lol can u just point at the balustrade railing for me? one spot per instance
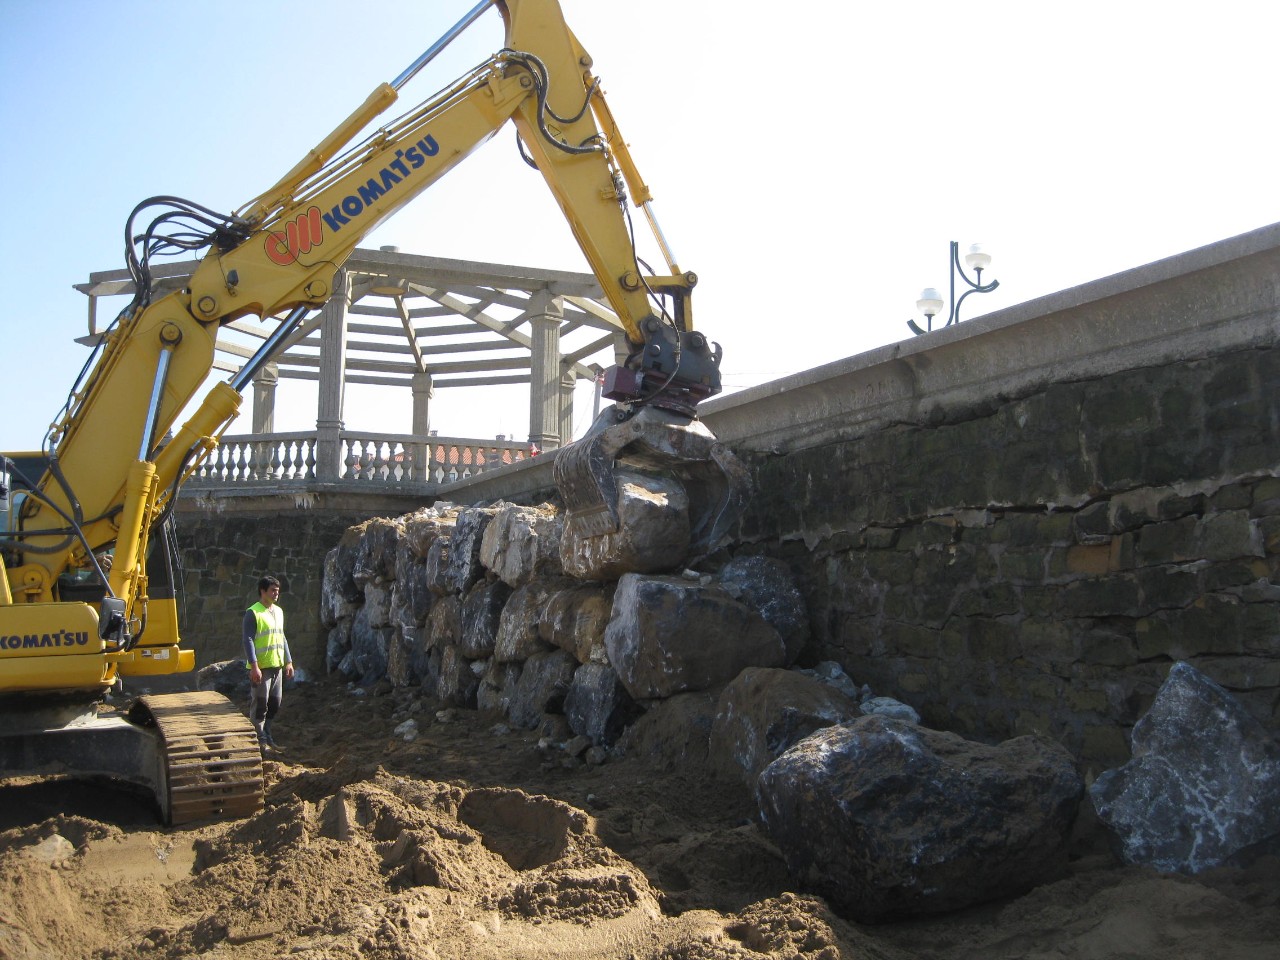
(376, 458)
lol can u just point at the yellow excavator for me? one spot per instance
(111, 467)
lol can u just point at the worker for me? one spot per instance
(267, 657)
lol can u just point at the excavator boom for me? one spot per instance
(111, 466)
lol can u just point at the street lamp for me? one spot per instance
(930, 303)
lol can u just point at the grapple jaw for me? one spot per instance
(658, 443)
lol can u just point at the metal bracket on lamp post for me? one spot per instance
(930, 303)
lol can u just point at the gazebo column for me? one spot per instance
(567, 383)
(264, 417)
(546, 314)
(333, 367)
(423, 392)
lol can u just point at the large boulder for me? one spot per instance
(437, 564)
(518, 635)
(889, 820)
(1203, 784)
(376, 556)
(339, 595)
(653, 532)
(377, 602)
(481, 613)
(421, 529)
(522, 543)
(673, 734)
(459, 680)
(597, 705)
(497, 686)
(668, 635)
(541, 688)
(768, 587)
(574, 619)
(415, 591)
(337, 644)
(370, 646)
(227, 677)
(464, 567)
(763, 712)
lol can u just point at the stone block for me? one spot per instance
(444, 624)
(480, 615)
(497, 686)
(574, 619)
(1203, 784)
(762, 713)
(522, 543)
(1106, 647)
(422, 528)
(888, 820)
(1115, 596)
(1172, 541)
(459, 679)
(519, 629)
(542, 687)
(768, 587)
(377, 603)
(1227, 536)
(437, 567)
(375, 557)
(597, 705)
(1089, 560)
(653, 532)
(463, 568)
(668, 635)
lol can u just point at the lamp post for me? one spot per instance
(930, 303)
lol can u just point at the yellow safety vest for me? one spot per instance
(268, 642)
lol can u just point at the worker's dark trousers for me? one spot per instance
(264, 701)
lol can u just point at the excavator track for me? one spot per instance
(212, 759)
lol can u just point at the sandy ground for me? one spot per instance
(472, 841)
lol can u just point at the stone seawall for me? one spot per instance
(1016, 524)
(1037, 565)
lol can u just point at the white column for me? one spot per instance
(264, 398)
(567, 383)
(546, 314)
(264, 417)
(333, 369)
(423, 392)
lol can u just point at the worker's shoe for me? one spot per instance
(268, 741)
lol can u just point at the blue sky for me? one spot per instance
(810, 162)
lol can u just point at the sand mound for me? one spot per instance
(472, 841)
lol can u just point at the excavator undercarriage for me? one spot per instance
(195, 753)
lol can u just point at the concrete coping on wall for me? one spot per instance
(1210, 300)
(307, 495)
(1214, 299)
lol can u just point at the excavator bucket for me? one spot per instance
(652, 442)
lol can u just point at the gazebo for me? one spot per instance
(413, 324)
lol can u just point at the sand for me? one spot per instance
(475, 841)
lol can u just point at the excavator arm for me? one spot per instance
(111, 476)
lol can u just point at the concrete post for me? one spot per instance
(264, 417)
(423, 392)
(264, 399)
(333, 368)
(567, 383)
(546, 313)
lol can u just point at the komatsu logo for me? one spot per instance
(406, 161)
(28, 641)
(284, 246)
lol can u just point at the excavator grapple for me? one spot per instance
(655, 442)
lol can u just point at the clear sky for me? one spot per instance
(809, 161)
